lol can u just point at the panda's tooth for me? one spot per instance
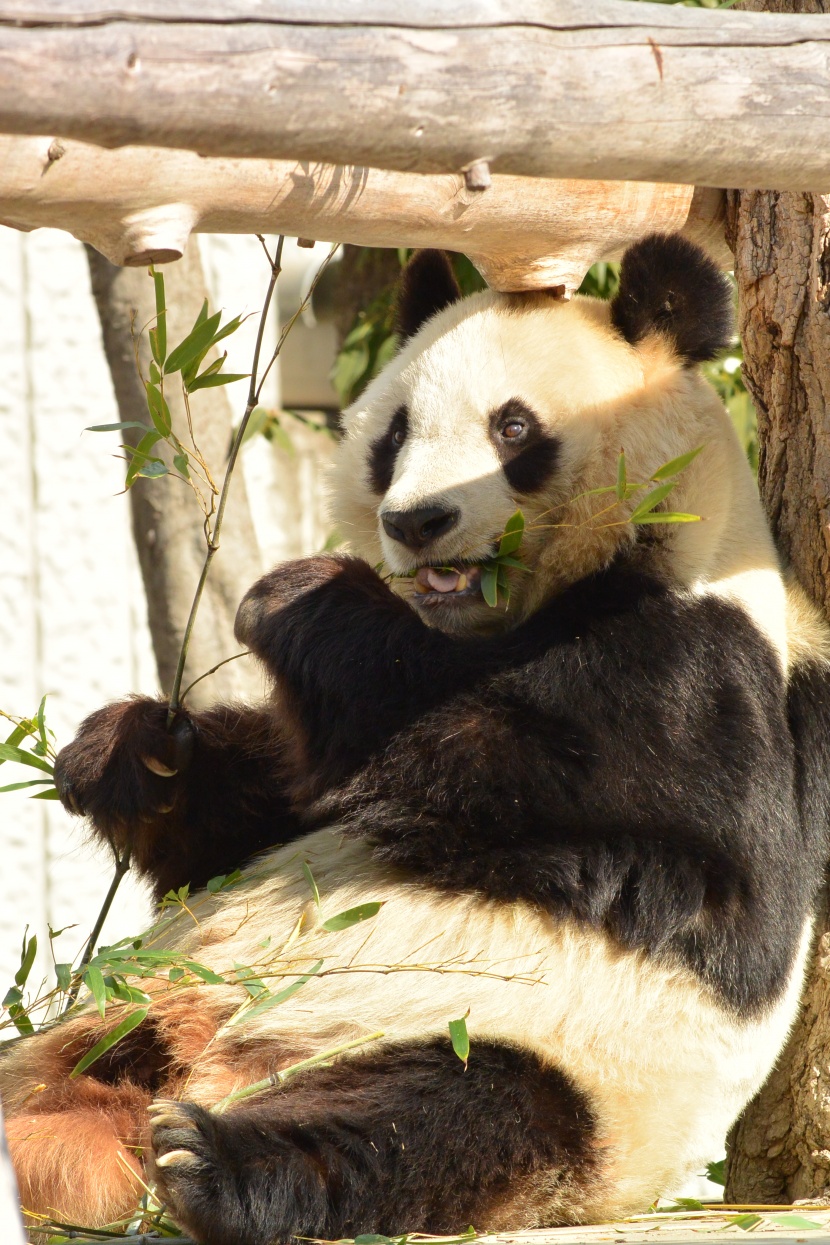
(462, 582)
(419, 587)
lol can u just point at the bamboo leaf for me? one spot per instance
(247, 978)
(160, 330)
(129, 423)
(206, 974)
(489, 586)
(460, 1038)
(273, 999)
(41, 724)
(216, 378)
(8, 752)
(650, 500)
(51, 794)
(514, 530)
(514, 562)
(620, 488)
(198, 339)
(27, 959)
(94, 979)
(140, 455)
(115, 1035)
(159, 410)
(309, 877)
(352, 916)
(675, 465)
(63, 972)
(795, 1221)
(746, 1222)
(34, 782)
(669, 516)
(21, 1022)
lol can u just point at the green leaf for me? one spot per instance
(152, 470)
(18, 734)
(460, 1038)
(175, 974)
(650, 500)
(41, 723)
(746, 1222)
(63, 972)
(489, 585)
(716, 1172)
(155, 374)
(21, 1021)
(129, 994)
(273, 999)
(620, 488)
(668, 516)
(206, 974)
(180, 463)
(115, 1035)
(216, 378)
(675, 465)
(505, 560)
(352, 916)
(129, 423)
(27, 959)
(514, 530)
(159, 410)
(197, 340)
(160, 330)
(13, 997)
(34, 782)
(140, 454)
(228, 328)
(51, 794)
(94, 979)
(202, 316)
(247, 978)
(8, 752)
(795, 1221)
(309, 877)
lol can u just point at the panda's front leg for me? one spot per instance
(188, 803)
(400, 1139)
(352, 662)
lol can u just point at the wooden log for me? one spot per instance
(138, 205)
(548, 88)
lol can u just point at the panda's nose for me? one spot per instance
(418, 528)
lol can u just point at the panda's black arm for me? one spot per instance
(352, 663)
(190, 804)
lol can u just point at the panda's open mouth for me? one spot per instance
(445, 583)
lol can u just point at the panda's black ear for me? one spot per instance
(668, 285)
(428, 285)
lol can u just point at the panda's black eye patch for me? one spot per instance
(384, 451)
(528, 453)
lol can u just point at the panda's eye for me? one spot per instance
(512, 430)
(398, 436)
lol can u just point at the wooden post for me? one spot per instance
(561, 89)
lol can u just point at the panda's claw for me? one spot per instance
(178, 1158)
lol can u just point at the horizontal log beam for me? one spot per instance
(139, 204)
(543, 88)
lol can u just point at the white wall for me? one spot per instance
(72, 613)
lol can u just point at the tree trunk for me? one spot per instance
(780, 1148)
(167, 520)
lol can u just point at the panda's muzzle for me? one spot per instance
(419, 528)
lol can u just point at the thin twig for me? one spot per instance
(245, 653)
(213, 535)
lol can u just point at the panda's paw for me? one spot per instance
(184, 1141)
(282, 586)
(121, 768)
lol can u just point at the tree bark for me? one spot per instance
(780, 1148)
(707, 98)
(167, 520)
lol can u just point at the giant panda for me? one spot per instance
(594, 816)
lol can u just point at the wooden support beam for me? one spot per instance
(544, 88)
(139, 204)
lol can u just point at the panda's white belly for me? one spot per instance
(665, 1066)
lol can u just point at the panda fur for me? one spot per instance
(595, 819)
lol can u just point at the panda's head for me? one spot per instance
(502, 402)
